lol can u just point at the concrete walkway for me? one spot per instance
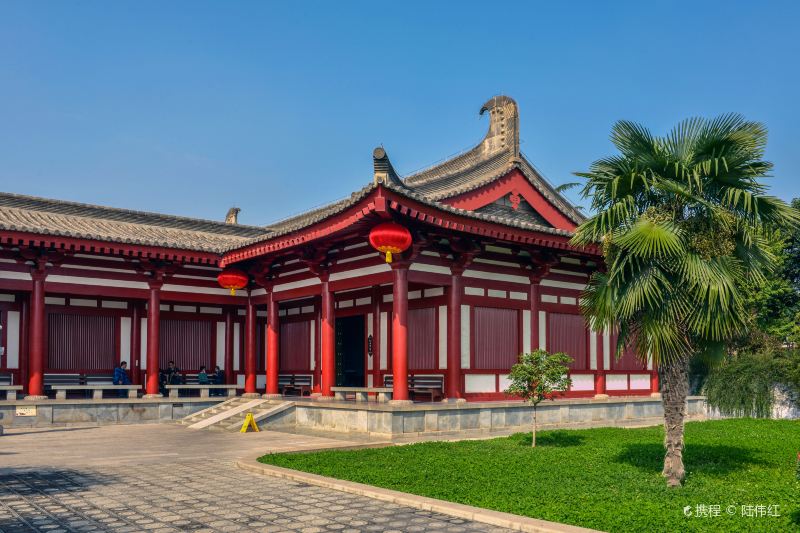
(167, 478)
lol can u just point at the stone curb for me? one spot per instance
(458, 510)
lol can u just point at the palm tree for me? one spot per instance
(682, 220)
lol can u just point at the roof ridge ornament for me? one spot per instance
(503, 134)
(383, 171)
(233, 216)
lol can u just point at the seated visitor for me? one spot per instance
(219, 379)
(170, 376)
(121, 377)
(202, 376)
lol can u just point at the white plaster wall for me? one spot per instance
(465, 336)
(143, 344)
(125, 340)
(542, 330)
(592, 350)
(313, 345)
(479, 383)
(526, 330)
(236, 334)
(220, 350)
(384, 341)
(12, 339)
(442, 336)
(582, 382)
(640, 381)
(617, 382)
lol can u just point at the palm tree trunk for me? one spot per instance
(674, 379)
(533, 437)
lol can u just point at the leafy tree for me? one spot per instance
(683, 221)
(537, 376)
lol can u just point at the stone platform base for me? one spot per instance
(69, 413)
(444, 418)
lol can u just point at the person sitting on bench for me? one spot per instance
(121, 378)
(218, 379)
(170, 376)
(202, 376)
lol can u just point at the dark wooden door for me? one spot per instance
(350, 351)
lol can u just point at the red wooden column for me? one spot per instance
(24, 318)
(136, 344)
(36, 333)
(535, 302)
(328, 339)
(654, 389)
(273, 345)
(250, 349)
(600, 373)
(453, 381)
(153, 324)
(400, 331)
(228, 363)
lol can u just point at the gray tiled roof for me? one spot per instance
(72, 219)
(497, 155)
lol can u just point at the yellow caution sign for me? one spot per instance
(249, 423)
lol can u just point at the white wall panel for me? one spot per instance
(125, 340)
(582, 382)
(236, 334)
(617, 382)
(12, 339)
(526, 330)
(465, 337)
(221, 345)
(442, 336)
(384, 339)
(312, 345)
(143, 344)
(640, 381)
(479, 383)
(542, 330)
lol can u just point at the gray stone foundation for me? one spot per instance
(382, 420)
(66, 413)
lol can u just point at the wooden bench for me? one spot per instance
(6, 379)
(98, 379)
(384, 394)
(11, 391)
(431, 385)
(96, 390)
(300, 384)
(174, 390)
(52, 380)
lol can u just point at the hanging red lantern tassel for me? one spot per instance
(233, 278)
(390, 238)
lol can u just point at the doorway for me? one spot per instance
(350, 351)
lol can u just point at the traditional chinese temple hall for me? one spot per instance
(427, 285)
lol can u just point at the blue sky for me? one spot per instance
(191, 107)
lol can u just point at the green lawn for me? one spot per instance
(605, 478)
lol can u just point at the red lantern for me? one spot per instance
(233, 278)
(390, 238)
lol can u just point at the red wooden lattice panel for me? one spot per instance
(187, 342)
(567, 333)
(422, 339)
(496, 338)
(81, 342)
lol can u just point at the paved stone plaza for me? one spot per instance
(168, 478)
